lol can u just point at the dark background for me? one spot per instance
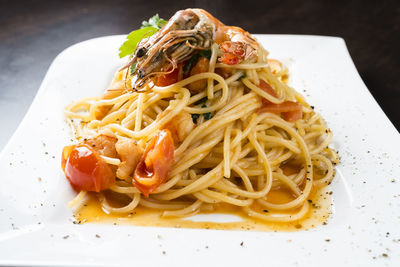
(33, 32)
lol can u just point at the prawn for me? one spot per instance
(187, 32)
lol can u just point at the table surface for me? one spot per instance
(33, 32)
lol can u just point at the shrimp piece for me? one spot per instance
(180, 126)
(130, 153)
(185, 33)
(103, 144)
(275, 65)
(126, 149)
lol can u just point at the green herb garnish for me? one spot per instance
(195, 117)
(155, 21)
(207, 116)
(205, 53)
(190, 63)
(201, 101)
(147, 29)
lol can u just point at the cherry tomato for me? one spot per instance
(268, 89)
(85, 169)
(291, 111)
(155, 163)
(292, 115)
(171, 78)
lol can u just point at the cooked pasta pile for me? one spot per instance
(239, 156)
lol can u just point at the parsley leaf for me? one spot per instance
(155, 22)
(129, 46)
(207, 116)
(205, 53)
(201, 101)
(147, 29)
(195, 117)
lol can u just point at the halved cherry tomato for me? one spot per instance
(292, 115)
(291, 111)
(155, 163)
(286, 106)
(170, 78)
(85, 169)
(268, 89)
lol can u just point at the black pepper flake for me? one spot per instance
(312, 107)
(385, 255)
(309, 201)
(308, 179)
(65, 237)
(98, 236)
(327, 240)
(164, 252)
(241, 244)
(265, 210)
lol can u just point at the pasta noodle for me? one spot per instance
(236, 153)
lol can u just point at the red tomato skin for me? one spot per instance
(268, 89)
(85, 169)
(152, 169)
(292, 115)
(170, 78)
(291, 111)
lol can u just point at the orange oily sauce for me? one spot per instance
(319, 202)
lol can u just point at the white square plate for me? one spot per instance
(36, 226)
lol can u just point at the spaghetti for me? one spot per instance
(240, 134)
